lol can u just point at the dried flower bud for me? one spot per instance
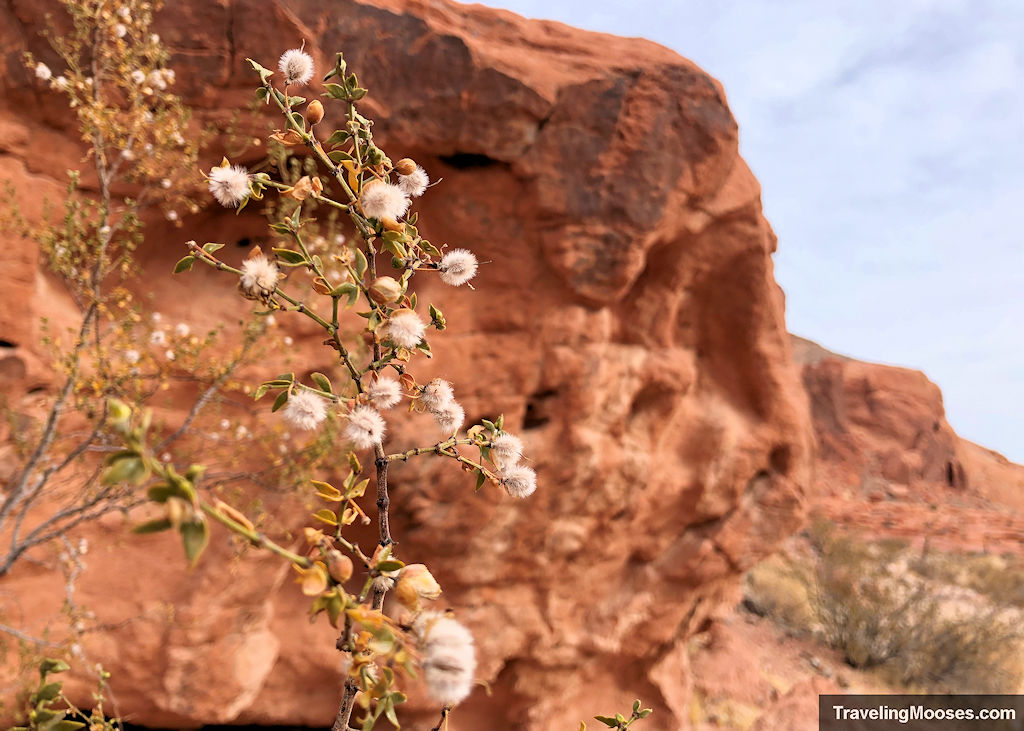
(313, 579)
(304, 188)
(290, 138)
(415, 582)
(385, 290)
(314, 112)
(405, 166)
(339, 566)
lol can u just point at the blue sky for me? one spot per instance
(889, 141)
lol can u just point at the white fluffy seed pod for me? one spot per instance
(297, 66)
(415, 183)
(405, 329)
(457, 267)
(450, 418)
(383, 200)
(518, 480)
(365, 427)
(437, 395)
(305, 410)
(229, 185)
(506, 449)
(259, 277)
(385, 393)
(448, 657)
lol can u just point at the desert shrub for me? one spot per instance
(923, 634)
(781, 588)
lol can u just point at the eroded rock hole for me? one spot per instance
(538, 409)
(468, 160)
(779, 459)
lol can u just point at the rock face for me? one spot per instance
(627, 324)
(888, 459)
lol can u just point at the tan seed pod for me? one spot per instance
(405, 166)
(314, 112)
(339, 566)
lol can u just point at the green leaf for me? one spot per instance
(296, 101)
(194, 537)
(263, 95)
(480, 479)
(50, 665)
(340, 156)
(322, 381)
(264, 73)
(361, 263)
(261, 392)
(47, 692)
(152, 526)
(281, 228)
(286, 377)
(339, 137)
(281, 400)
(290, 257)
(345, 288)
(335, 91)
(636, 705)
(66, 725)
(390, 565)
(394, 246)
(609, 722)
(184, 264)
(358, 93)
(212, 247)
(160, 493)
(127, 469)
(389, 713)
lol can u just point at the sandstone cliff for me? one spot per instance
(889, 463)
(628, 326)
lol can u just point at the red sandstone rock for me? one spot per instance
(627, 324)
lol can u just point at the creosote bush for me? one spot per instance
(359, 293)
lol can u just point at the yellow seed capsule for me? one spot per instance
(405, 166)
(314, 112)
(385, 290)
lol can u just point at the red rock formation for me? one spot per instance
(888, 459)
(627, 324)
